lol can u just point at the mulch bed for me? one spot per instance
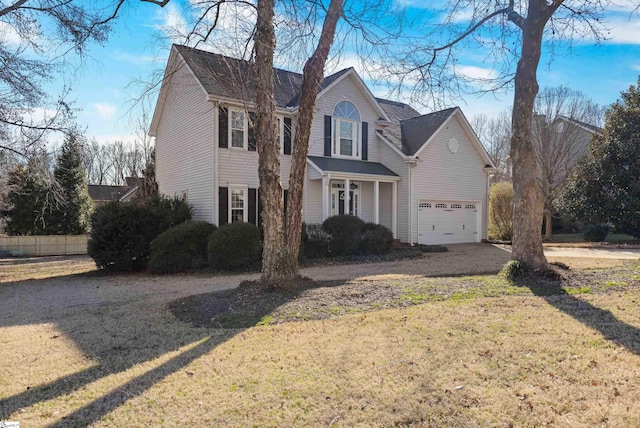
(253, 303)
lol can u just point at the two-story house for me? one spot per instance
(425, 177)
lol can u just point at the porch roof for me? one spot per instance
(350, 166)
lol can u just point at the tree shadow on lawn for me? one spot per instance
(602, 320)
(114, 326)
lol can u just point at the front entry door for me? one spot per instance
(337, 200)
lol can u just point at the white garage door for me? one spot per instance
(447, 222)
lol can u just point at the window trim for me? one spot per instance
(280, 125)
(245, 208)
(356, 147)
(245, 129)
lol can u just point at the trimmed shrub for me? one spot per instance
(181, 248)
(345, 233)
(315, 241)
(501, 211)
(121, 232)
(375, 239)
(235, 246)
(595, 232)
(514, 270)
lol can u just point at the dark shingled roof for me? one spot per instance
(416, 131)
(227, 77)
(397, 110)
(101, 192)
(351, 166)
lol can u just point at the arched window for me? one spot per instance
(346, 130)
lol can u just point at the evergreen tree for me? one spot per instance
(73, 215)
(605, 185)
(148, 186)
(30, 199)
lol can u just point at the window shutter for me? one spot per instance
(251, 138)
(259, 208)
(251, 215)
(365, 141)
(287, 135)
(223, 127)
(223, 204)
(327, 136)
(286, 200)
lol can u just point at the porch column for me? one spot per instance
(325, 197)
(347, 184)
(394, 209)
(376, 202)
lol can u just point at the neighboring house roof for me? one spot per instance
(350, 166)
(101, 192)
(586, 126)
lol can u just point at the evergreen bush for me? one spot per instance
(235, 246)
(595, 232)
(376, 239)
(345, 233)
(180, 248)
(121, 232)
(315, 241)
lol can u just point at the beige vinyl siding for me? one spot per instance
(386, 192)
(185, 144)
(345, 90)
(442, 175)
(312, 211)
(366, 201)
(240, 166)
(395, 163)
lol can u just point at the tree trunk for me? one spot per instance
(268, 145)
(313, 73)
(527, 201)
(548, 226)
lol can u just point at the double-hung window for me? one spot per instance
(346, 130)
(237, 204)
(238, 129)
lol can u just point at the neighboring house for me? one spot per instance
(425, 177)
(101, 194)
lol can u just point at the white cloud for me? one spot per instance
(474, 72)
(173, 23)
(635, 67)
(110, 138)
(622, 30)
(8, 34)
(104, 111)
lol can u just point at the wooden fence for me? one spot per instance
(53, 245)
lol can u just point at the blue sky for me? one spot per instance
(103, 87)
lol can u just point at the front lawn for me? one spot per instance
(465, 351)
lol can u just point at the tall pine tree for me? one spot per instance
(30, 199)
(73, 215)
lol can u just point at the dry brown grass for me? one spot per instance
(116, 357)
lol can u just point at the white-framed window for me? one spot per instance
(238, 204)
(238, 129)
(280, 120)
(346, 130)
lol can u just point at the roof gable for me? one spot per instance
(417, 131)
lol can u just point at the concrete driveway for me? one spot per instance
(595, 253)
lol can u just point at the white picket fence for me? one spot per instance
(53, 245)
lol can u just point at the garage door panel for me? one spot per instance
(447, 222)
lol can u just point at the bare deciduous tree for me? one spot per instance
(39, 35)
(563, 124)
(514, 32)
(495, 135)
